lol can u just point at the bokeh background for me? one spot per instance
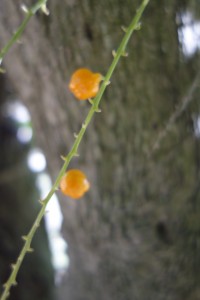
(136, 233)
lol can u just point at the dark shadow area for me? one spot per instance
(18, 209)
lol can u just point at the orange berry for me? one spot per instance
(84, 84)
(74, 184)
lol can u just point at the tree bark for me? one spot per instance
(135, 235)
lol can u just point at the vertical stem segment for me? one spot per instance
(73, 152)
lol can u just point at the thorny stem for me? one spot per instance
(29, 13)
(74, 150)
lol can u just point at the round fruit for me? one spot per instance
(84, 84)
(74, 184)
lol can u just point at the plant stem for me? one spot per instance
(30, 12)
(74, 150)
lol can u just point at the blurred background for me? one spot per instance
(136, 233)
(24, 181)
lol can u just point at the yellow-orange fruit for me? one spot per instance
(84, 84)
(74, 184)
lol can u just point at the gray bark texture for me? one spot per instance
(136, 234)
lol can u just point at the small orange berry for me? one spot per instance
(84, 84)
(74, 184)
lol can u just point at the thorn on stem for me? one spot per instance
(107, 82)
(76, 154)
(124, 54)
(30, 250)
(19, 259)
(44, 9)
(75, 135)
(24, 8)
(84, 125)
(91, 101)
(41, 202)
(97, 110)
(114, 53)
(138, 26)
(63, 158)
(13, 266)
(37, 224)
(124, 28)
(24, 238)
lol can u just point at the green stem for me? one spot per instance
(30, 12)
(74, 150)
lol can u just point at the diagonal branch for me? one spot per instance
(41, 4)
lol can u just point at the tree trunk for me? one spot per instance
(135, 235)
